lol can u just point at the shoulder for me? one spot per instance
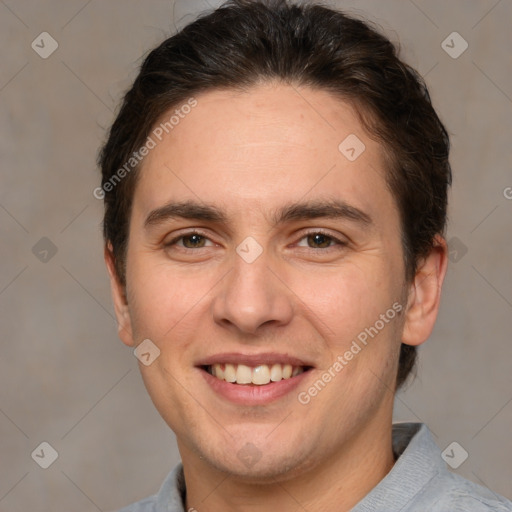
(451, 492)
(420, 480)
(168, 499)
(145, 505)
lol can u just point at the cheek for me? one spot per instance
(161, 298)
(347, 300)
(348, 311)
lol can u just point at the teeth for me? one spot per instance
(229, 373)
(276, 373)
(243, 374)
(259, 375)
(219, 371)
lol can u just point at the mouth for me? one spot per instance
(259, 375)
(253, 379)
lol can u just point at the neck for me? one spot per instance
(336, 484)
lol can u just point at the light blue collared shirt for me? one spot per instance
(419, 481)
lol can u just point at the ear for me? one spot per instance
(425, 295)
(124, 325)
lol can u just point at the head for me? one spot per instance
(310, 164)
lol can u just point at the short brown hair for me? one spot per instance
(245, 42)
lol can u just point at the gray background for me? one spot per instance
(66, 379)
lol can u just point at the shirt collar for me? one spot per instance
(419, 461)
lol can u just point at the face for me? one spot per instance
(259, 248)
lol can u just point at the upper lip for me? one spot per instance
(253, 360)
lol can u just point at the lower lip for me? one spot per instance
(251, 394)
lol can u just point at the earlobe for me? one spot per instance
(425, 295)
(119, 298)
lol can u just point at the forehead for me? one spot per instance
(271, 144)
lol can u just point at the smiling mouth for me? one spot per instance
(258, 375)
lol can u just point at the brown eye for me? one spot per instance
(319, 239)
(193, 241)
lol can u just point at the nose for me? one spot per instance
(253, 295)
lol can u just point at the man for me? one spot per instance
(275, 200)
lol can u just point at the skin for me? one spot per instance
(250, 153)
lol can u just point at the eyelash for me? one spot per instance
(337, 241)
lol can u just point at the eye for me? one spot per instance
(321, 240)
(191, 240)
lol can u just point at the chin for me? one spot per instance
(258, 461)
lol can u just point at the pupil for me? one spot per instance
(318, 238)
(192, 239)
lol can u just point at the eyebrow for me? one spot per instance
(333, 209)
(185, 210)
